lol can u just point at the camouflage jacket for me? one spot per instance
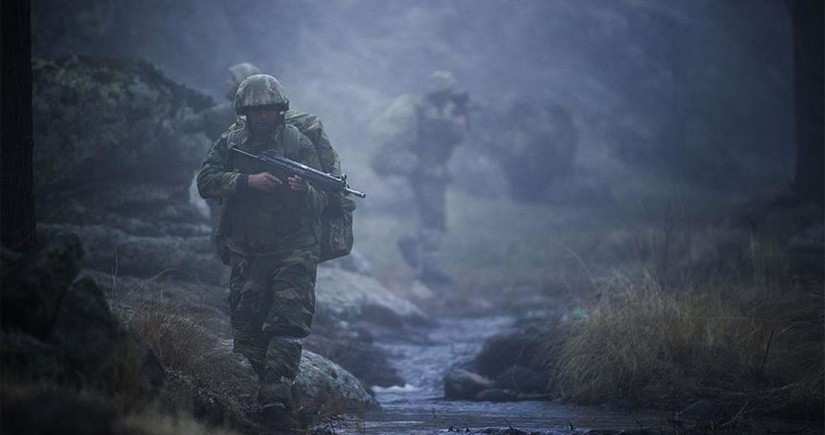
(414, 138)
(222, 177)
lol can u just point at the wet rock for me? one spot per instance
(354, 350)
(509, 367)
(347, 296)
(34, 285)
(460, 384)
(327, 389)
(522, 380)
(502, 352)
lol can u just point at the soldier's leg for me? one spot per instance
(431, 198)
(432, 261)
(289, 319)
(248, 296)
(408, 245)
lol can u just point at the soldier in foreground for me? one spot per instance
(415, 139)
(214, 121)
(268, 232)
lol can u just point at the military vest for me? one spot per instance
(261, 222)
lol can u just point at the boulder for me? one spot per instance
(504, 351)
(64, 332)
(521, 380)
(34, 284)
(460, 384)
(120, 252)
(328, 389)
(111, 120)
(113, 165)
(353, 349)
(346, 296)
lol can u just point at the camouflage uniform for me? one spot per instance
(215, 120)
(416, 138)
(270, 239)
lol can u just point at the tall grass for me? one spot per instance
(747, 335)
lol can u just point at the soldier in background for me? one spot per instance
(216, 119)
(269, 231)
(415, 138)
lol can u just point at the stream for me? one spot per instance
(424, 356)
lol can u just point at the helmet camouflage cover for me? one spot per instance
(260, 90)
(441, 82)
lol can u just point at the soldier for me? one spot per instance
(416, 137)
(216, 119)
(268, 233)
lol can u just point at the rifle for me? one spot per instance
(284, 166)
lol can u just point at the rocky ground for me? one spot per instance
(125, 300)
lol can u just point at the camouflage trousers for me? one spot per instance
(431, 199)
(272, 302)
(422, 249)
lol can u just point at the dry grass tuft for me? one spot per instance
(750, 336)
(173, 334)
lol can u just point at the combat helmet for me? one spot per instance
(441, 82)
(260, 90)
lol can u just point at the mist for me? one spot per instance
(693, 93)
(633, 233)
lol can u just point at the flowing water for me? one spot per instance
(424, 356)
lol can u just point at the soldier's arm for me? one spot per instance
(213, 179)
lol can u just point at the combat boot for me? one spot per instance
(277, 409)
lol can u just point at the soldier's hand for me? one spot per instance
(297, 183)
(264, 181)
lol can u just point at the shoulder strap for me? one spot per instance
(291, 141)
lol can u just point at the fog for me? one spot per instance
(621, 226)
(693, 94)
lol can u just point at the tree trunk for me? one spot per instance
(807, 17)
(17, 147)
